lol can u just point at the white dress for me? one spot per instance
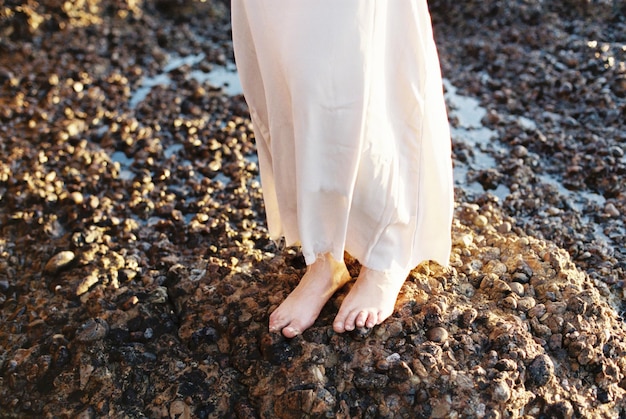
(352, 135)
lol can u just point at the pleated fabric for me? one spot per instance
(351, 129)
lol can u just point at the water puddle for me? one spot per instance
(147, 83)
(480, 140)
(223, 77)
(577, 200)
(471, 132)
(172, 150)
(125, 162)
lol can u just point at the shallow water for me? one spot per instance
(224, 77)
(479, 138)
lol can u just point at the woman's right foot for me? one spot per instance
(302, 307)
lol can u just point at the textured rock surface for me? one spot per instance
(136, 275)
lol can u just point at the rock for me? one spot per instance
(59, 261)
(468, 317)
(437, 334)
(509, 302)
(501, 392)
(517, 288)
(92, 330)
(159, 197)
(86, 283)
(611, 210)
(537, 311)
(305, 403)
(526, 303)
(540, 370)
(370, 381)
(179, 410)
(401, 371)
(481, 221)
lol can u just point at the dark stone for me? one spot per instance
(540, 370)
(371, 381)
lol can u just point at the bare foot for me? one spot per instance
(302, 307)
(370, 301)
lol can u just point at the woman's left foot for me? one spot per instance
(371, 300)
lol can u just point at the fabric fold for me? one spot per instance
(351, 127)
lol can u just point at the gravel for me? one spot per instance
(137, 277)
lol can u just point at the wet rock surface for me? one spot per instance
(136, 275)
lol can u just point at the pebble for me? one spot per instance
(77, 198)
(4, 285)
(86, 283)
(501, 392)
(505, 227)
(517, 288)
(468, 317)
(93, 330)
(541, 370)
(510, 302)
(521, 277)
(481, 221)
(179, 410)
(526, 303)
(537, 311)
(611, 210)
(437, 334)
(59, 261)
(466, 240)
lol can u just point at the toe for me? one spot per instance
(349, 323)
(277, 322)
(372, 320)
(338, 326)
(291, 332)
(362, 318)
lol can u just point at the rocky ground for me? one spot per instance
(136, 275)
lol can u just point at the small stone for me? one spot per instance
(401, 371)
(556, 307)
(505, 227)
(77, 197)
(521, 277)
(465, 241)
(59, 261)
(493, 117)
(4, 285)
(480, 221)
(555, 341)
(85, 284)
(92, 330)
(468, 317)
(509, 302)
(85, 371)
(370, 381)
(611, 210)
(437, 334)
(501, 392)
(577, 305)
(526, 303)
(517, 288)
(537, 311)
(179, 410)
(541, 370)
